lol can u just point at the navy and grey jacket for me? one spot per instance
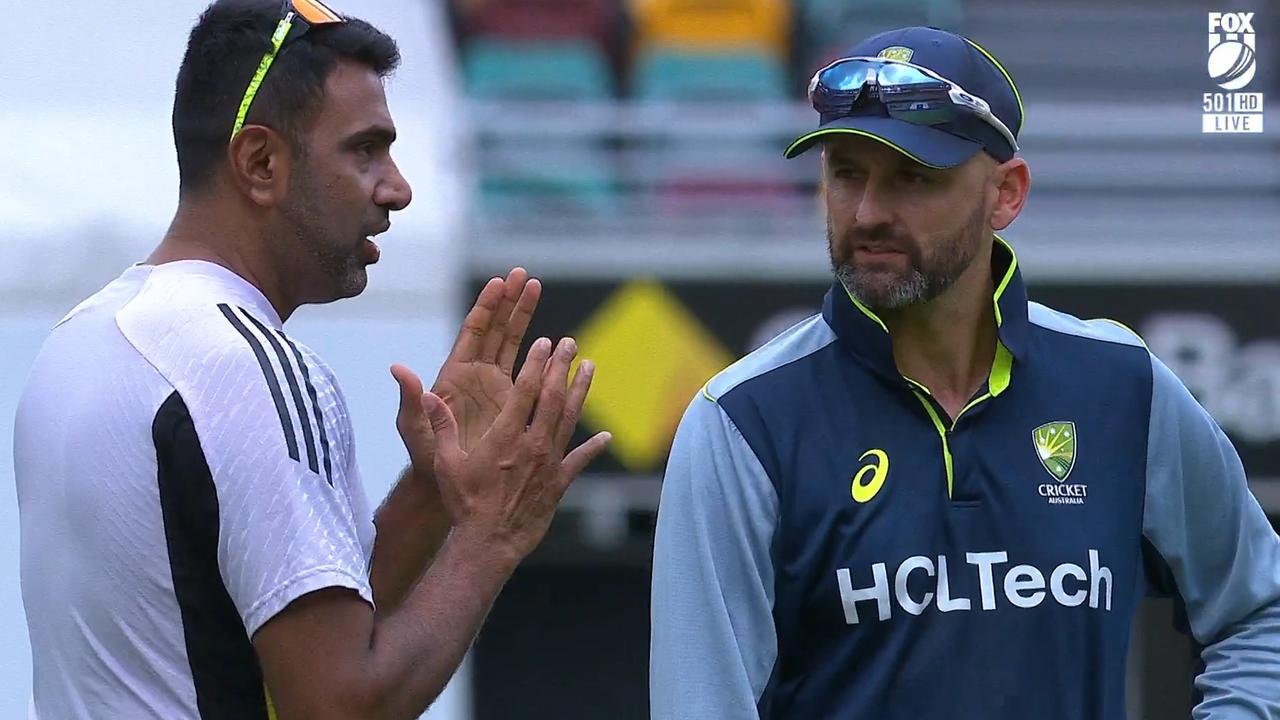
(831, 545)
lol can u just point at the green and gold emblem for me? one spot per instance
(897, 52)
(1056, 447)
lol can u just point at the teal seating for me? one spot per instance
(536, 70)
(724, 76)
(569, 177)
(829, 28)
(822, 19)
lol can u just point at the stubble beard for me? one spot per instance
(925, 278)
(337, 261)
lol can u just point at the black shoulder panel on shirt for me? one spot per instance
(224, 668)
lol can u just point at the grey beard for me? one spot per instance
(918, 286)
(914, 290)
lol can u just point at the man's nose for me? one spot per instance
(393, 192)
(874, 207)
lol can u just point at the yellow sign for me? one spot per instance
(652, 356)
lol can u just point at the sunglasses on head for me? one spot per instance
(908, 92)
(298, 17)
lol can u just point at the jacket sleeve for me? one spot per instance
(1221, 552)
(713, 643)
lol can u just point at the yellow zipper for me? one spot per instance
(997, 382)
(940, 427)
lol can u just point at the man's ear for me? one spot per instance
(260, 160)
(1013, 182)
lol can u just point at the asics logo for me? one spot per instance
(871, 477)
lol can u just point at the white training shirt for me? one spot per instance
(184, 471)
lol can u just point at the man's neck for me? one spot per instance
(202, 232)
(949, 344)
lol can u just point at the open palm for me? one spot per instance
(476, 379)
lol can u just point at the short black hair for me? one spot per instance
(223, 52)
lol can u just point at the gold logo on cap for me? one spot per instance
(897, 52)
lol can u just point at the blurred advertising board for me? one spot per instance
(656, 342)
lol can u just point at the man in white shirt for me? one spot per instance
(195, 537)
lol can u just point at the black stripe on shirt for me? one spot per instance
(286, 422)
(224, 668)
(315, 407)
(292, 379)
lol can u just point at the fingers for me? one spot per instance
(445, 428)
(575, 462)
(518, 325)
(412, 421)
(410, 388)
(512, 288)
(546, 415)
(573, 404)
(515, 413)
(475, 326)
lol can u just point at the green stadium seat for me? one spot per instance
(724, 76)
(554, 71)
(565, 176)
(830, 27)
(833, 16)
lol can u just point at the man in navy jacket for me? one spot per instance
(936, 499)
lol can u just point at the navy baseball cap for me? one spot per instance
(946, 145)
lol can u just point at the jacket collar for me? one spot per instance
(865, 335)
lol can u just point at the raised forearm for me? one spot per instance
(329, 656)
(412, 526)
(417, 648)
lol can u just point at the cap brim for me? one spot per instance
(926, 145)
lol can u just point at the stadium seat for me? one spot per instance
(875, 15)
(684, 76)
(558, 176)
(593, 20)
(713, 24)
(737, 176)
(543, 70)
(830, 27)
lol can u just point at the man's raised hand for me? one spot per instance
(506, 487)
(475, 379)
